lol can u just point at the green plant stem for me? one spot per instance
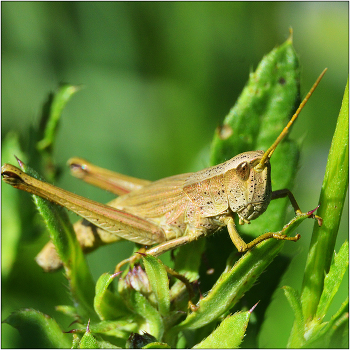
(332, 198)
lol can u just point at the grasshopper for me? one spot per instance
(175, 210)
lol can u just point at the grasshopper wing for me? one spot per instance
(163, 201)
(206, 190)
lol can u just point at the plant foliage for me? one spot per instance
(149, 310)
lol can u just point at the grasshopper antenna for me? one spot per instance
(284, 132)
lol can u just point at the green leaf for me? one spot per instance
(149, 313)
(333, 192)
(187, 263)
(263, 109)
(11, 212)
(269, 98)
(332, 198)
(42, 330)
(323, 335)
(260, 114)
(339, 328)
(76, 342)
(148, 318)
(67, 310)
(118, 329)
(158, 278)
(108, 305)
(88, 341)
(333, 279)
(236, 280)
(103, 344)
(229, 334)
(63, 236)
(157, 345)
(294, 300)
(56, 105)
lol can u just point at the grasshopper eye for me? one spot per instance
(243, 170)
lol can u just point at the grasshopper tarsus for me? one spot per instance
(286, 238)
(314, 216)
(319, 220)
(192, 306)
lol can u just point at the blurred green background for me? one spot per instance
(158, 79)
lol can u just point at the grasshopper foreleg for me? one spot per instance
(284, 193)
(243, 247)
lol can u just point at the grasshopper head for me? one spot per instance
(249, 190)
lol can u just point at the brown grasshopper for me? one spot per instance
(175, 210)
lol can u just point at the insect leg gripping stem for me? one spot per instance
(243, 247)
(284, 193)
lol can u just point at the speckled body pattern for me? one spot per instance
(195, 203)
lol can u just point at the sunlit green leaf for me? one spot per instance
(333, 279)
(229, 334)
(108, 305)
(57, 104)
(11, 212)
(39, 328)
(158, 279)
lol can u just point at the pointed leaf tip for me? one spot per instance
(252, 309)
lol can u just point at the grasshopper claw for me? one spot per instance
(318, 218)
